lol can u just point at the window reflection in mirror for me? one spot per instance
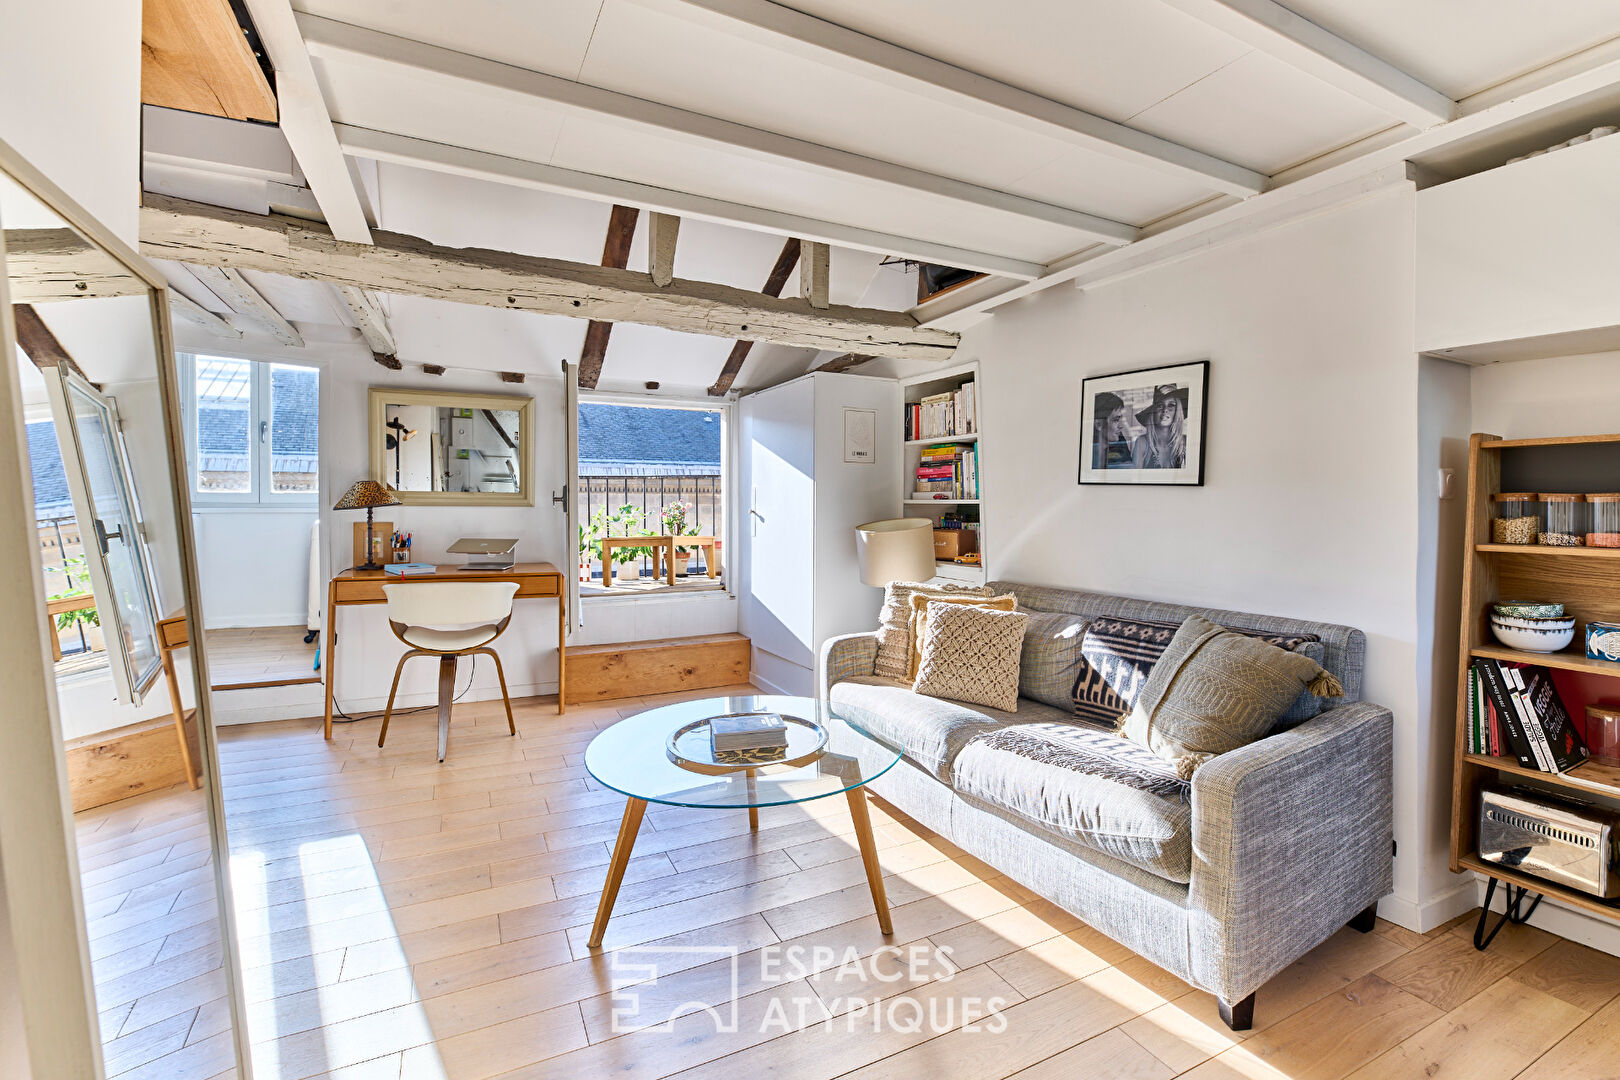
(447, 447)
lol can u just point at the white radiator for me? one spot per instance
(313, 622)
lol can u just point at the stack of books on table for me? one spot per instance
(1514, 711)
(755, 731)
(947, 471)
(944, 415)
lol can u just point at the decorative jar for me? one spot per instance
(1515, 518)
(1605, 520)
(1563, 522)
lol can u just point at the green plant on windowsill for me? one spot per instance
(66, 620)
(627, 520)
(674, 518)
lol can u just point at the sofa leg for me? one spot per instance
(1239, 1017)
(1365, 921)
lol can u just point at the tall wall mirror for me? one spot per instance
(436, 448)
(119, 731)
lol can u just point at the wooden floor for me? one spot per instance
(402, 919)
(260, 656)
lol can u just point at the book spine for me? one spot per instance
(1539, 746)
(1563, 738)
(1491, 677)
(1473, 713)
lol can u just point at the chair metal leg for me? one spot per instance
(447, 694)
(388, 713)
(501, 675)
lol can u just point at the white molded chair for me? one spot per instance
(449, 620)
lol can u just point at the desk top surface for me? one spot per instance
(452, 572)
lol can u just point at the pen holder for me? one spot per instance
(402, 555)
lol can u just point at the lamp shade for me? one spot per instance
(364, 494)
(899, 549)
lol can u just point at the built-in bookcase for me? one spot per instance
(913, 391)
(1586, 580)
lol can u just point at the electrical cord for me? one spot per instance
(347, 719)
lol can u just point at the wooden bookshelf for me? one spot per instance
(1587, 582)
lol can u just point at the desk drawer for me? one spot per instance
(538, 585)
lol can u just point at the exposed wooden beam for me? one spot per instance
(227, 283)
(306, 122)
(43, 265)
(387, 360)
(512, 376)
(369, 317)
(662, 232)
(815, 263)
(615, 254)
(195, 57)
(1273, 29)
(36, 340)
(781, 27)
(774, 284)
(845, 362)
(409, 266)
(459, 161)
(432, 65)
(185, 308)
(433, 369)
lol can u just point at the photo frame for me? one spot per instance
(1146, 426)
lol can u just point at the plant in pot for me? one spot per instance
(627, 520)
(86, 619)
(675, 519)
(590, 548)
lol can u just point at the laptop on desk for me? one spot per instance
(489, 553)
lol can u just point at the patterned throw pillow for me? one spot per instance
(971, 654)
(894, 623)
(1051, 660)
(1214, 690)
(919, 617)
(1118, 655)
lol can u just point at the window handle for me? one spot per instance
(102, 535)
(264, 430)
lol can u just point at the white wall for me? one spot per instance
(253, 566)
(1310, 508)
(1533, 399)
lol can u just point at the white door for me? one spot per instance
(99, 481)
(778, 450)
(570, 495)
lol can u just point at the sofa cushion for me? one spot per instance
(894, 623)
(1050, 663)
(919, 618)
(930, 732)
(971, 654)
(1087, 786)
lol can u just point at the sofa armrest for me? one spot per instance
(844, 658)
(1292, 835)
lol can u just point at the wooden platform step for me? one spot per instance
(126, 761)
(637, 668)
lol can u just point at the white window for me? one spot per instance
(252, 431)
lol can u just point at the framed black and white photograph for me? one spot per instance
(1144, 427)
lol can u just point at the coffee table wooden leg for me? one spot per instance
(753, 811)
(633, 809)
(869, 859)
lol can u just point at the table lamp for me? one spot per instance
(898, 549)
(370, 495)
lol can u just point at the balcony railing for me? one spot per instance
(650, 494)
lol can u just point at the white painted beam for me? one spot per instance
(784, 28)
(459, 161)
(370, 318)
(430, 65)
(663, 230)
(206, 236)
(1273, 29)
(185, 308)
(227, 283)
(305, 120)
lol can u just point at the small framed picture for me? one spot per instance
(1145, 427)
(860, 436)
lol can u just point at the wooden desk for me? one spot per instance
(541, 580)
(174, 633)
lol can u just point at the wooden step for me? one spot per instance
(126, 761)
(637, 668)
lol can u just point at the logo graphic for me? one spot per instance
(637, 1003)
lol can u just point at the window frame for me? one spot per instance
(260, 418)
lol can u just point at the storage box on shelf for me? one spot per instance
(941, 454)
(1585, 580)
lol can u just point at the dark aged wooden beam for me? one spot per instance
(36, 339)
(616, 254)
(773, 287)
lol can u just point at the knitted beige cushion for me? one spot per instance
(971, 654)
(1214, 690)
(894, 623)
(919, 617)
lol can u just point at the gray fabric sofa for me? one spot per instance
(1224, 880)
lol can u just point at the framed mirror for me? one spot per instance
(112, 821)
(436, 448)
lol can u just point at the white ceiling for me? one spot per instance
(1145, 63)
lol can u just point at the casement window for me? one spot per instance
(252, 431)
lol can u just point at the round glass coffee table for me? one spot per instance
(664, 756)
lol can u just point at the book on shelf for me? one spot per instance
(944, 415)
(948, 468)
(1516, 711)
(748, 732)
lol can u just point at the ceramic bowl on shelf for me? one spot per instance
(1559, 622)
(1520, 610)
(1547, 639)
